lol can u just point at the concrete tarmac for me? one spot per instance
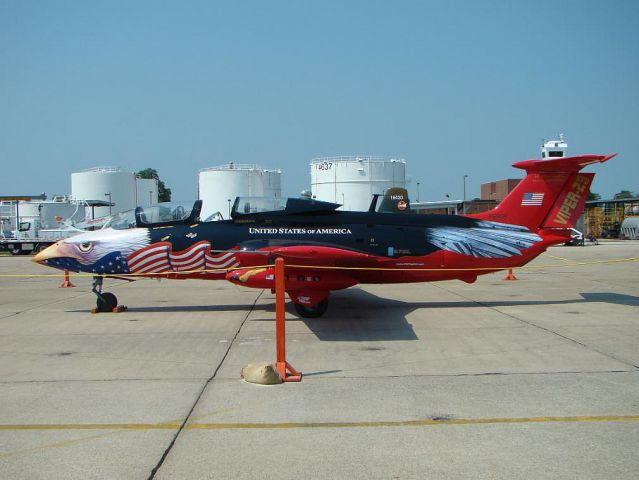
(534, 378)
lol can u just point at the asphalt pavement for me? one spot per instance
(533, 378)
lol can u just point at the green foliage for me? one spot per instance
(624, 194)
(593, 196)
(164, 193)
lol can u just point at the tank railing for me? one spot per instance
(355, 158)
(238, 166)
(102, 169)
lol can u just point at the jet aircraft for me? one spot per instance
(326, 249)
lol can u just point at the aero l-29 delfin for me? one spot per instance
(326, 249)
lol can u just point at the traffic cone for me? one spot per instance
(511, 275)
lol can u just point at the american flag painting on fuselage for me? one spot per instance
(159, 258)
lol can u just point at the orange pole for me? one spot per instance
(287, 372)
(280, 329)
(67, 282)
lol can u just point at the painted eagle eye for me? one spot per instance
(85, 246)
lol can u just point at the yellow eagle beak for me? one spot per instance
(57, 250)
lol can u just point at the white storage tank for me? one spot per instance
(353, 180)
(147, 191)
(272, 181)
(110, 184)
(630, 228)
(218, 186)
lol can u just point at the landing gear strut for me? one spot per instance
(106, 301)
(312, 312)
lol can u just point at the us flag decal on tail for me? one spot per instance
(530, 198)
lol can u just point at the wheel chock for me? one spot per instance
(118, 309)
(511, 275)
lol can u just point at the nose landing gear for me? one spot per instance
(106, 302)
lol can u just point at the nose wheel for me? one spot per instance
(106, 301)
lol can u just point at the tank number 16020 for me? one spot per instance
(325, 165)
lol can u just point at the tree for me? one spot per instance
(624, 194)
(164, 193)
(593, 196)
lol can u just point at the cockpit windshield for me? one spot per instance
(250, 205)
(160, 214)
(121, 221)
(165, 212)
(272, 206)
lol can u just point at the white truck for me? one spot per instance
(30, 224)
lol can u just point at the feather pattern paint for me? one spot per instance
(484, 240)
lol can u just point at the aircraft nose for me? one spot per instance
(57, 250)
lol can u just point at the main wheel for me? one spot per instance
(312, 312)
(106, 302)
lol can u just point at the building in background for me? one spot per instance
(605, 218)
(452, 207)
(499, 189)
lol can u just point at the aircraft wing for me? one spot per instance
(302, 279)
(323, 256)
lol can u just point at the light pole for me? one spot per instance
(418, 191)
(110, 202)
(229, 200)
(464, 199)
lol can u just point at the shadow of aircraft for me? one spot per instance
(356, 315)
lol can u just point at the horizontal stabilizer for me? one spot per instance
(552, 195)
(564, 164)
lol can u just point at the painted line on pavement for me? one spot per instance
(292, 425)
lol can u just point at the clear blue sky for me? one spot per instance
(453, 87)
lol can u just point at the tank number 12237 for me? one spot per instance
(325, 165)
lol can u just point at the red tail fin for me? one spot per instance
(552, 194)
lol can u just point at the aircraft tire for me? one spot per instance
(312, 312)
(106, 302)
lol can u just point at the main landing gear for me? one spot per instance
(312, 312)
(106, 302)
